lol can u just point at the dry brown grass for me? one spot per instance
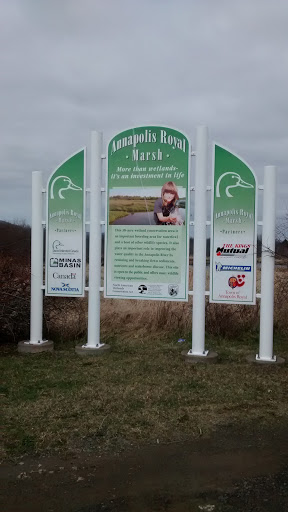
(65, 319)
(163, 318)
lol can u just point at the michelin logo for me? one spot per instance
(232, 268)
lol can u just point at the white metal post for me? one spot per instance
(267, 266)
(36, 311)
(199, 256)
(93, 340)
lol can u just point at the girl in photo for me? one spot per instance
(165, 210)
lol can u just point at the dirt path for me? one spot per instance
(231, 471)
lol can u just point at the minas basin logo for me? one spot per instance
(236, 282)
(65, 262)
(231, 249)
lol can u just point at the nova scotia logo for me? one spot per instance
(65, 287)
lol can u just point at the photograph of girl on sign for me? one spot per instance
(166, 210)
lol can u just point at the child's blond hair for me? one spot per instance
(171, 188)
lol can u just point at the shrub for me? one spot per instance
(14, 298)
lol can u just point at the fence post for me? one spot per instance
(36, 311)
(36, 343)
(199, 253)
(267, 266)
(93, 340)
(94, 344)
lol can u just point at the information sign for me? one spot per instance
(147, 227)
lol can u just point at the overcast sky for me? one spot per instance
(71, 66)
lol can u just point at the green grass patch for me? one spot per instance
(132, 204)
(116, 215)
(122, 206)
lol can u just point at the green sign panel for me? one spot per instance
(146, 251)
(65, 228)
(234, 233)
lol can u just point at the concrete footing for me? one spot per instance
(253, 359)
(82, 350)
(25, 347)
(209, 359)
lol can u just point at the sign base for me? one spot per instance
(26, 347)
(255, 359)
(84, 350)
(210, 357)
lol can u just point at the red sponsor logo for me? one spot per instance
(236, 282)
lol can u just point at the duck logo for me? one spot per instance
(236, 282)
(233, 180)
(65, 183)
(56, 245)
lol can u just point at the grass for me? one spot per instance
(121, 206)
(114, 215)
(142, 391)
(132, 204)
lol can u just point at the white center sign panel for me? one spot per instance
(147, 224)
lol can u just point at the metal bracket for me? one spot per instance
(39, 342)
(99, 345)
(204, 354)
(273, 360)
